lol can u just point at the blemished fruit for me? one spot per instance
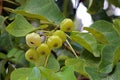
(61, 34)
(31, 55)
(67, 25)
(33, 39)
(43, 49)
(54, 42)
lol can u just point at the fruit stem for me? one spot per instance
(72, 49)
(46, 61)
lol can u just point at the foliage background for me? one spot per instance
(98, 49)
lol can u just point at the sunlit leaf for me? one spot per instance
(42, 9)
(117, 25)
(34, 75)
(20, 74)
(87, 41)
(49, 74)
(67, 73)
(78, 64)
(98, 35)
(19, 27)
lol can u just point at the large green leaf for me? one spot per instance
(67, 73)
(110, 57)
(20, 74)
(41, 9)
(95, 75)
(87, 41)
(117, 25)
(35, 74)
(115, 2)
(89, 59)
(49, 74)
(104, 31)
(78, 64)
(53, 64)
(93, 8)
(19, 27)
(116, 74)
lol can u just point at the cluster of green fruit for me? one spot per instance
(38, 48)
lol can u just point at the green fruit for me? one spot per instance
(31, 55)
(67, 25)
(54, 42)
(33, 40)
(43, 49)
(61, 34)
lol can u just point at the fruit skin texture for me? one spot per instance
(31, 55)
(54, 42)
(33, 40)
(67, 25)
(43, 49)
(61, 34)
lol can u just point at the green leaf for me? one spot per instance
(35, 74)
(26, 74)
(98, 35)
(49, 74)
(117, 25)
(78, 64)
(53, 64)
(89, 59)
(20, 74)
(19, 27)
(87, 41)
(2, 69)
(110, 57)
(5, 37)
(116, 74)
(93, 8)
(67, 73)
(115, 2)
(17, 56)
(42, 9)
(95, 75)
(2, 56)
(116, 56)
(103, 29)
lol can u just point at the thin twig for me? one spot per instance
(72, 49)
(46, 60)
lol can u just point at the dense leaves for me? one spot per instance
(94, 54)
(44, 10)
(42, 73)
